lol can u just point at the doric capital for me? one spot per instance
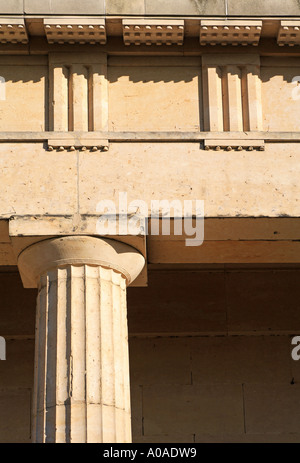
(53, 253)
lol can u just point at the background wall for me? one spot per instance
(210, 354)
(154, 7)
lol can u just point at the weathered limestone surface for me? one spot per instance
(155, 7)
(148, 7)
(81, 386)
(119, 7)
(280, 96)
(147, 83)
(59, 183)
(227, 182)
(91, 7)
(263, 8)
(183, 7)
(123, 90)
(11, 7)
(25, 97)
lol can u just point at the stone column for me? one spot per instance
(81, 384)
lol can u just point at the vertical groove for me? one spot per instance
(126, 372)
(36, 365)
(254, 97)
(114, 320)
(205, 99)
(90, 99)
(212, 98)
(80, 97)
(124, 366)
(225, 100)
(38, 352)
(51, 347)
(78, 342)
(51, 103)
(101, 356)
(113, 382)
(93, 359)
(42, 361)
(70, 100)
(100, 96)
(118, 357)
(68, 354)
(108, 396)
(86, 398)
(62, 359)
(58, 97)
(245, 99)
(235, 98)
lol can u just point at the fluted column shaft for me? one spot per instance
(81, 384)
(82, 367)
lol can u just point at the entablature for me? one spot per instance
(149, 29)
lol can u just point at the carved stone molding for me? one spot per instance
(75, 30)
(230, 32)
(82, 145)
(232, 92)
(13, 31)
(237, 145)
(78, 93)
(153, 32)
(289, 33)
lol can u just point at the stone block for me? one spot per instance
(185, 7)
(265, 301)
(25, 105)
(272, 408)
(166, 439)
(67, 7)
(280, 109)
(15, 416)
(136, 393)
(249, 438)
(179, 302)
(11, 7)
(119, 7)
(17, 370)
(265, 8)
(171, 91)
(212, 409)
(159, 360)
(46, 182)
(241, 359)
(17, 306)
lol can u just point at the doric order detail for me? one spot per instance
(236, 145)
(153, 32)
(45, 255)
(75, 30)
(13, 31)
(289, 33)
(230, 32)
(232, 93)
(74, 144)
(81, 382)
(78, 95)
